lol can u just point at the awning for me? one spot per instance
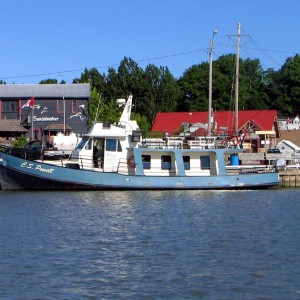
(58, 127)
(11, 125)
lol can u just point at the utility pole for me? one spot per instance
(211, 46)
(237, 76)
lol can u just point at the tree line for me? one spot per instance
(155, 89)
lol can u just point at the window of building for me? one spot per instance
(186, 162)
(74, 107)
(60, 105)
(10, 109)
(146, 161)
(166, 162)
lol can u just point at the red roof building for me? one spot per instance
(257, 120)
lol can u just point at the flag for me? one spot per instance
(29, 103)
(244, 134)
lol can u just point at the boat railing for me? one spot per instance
(244, 169)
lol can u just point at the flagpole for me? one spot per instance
(32, 129)
(64, 115)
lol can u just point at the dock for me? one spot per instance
(289, 178)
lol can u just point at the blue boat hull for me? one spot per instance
(18, 173)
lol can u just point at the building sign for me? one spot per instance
(45, 119)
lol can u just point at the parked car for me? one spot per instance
(274, 150)
(33, 150)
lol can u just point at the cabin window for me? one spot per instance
(205, 162)
(166, 162)
(186, 162)
(88, 146)
(146, 161)
(82, 143)
(113, 145)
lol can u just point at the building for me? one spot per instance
(289, 124)
(40, 110)
(261, 125)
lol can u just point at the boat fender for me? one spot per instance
(130, 161)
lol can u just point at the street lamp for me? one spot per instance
(211, 46)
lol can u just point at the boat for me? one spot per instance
(115, 156)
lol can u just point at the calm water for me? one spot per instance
(150, 245)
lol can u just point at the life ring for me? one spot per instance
(130, 161)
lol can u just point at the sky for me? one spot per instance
(58, 39)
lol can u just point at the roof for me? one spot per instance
(290, 135)
(58, 127)
(289, 144)
(11, 125)
(80, 90)
(171, 122)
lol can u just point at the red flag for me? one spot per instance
(29, 103)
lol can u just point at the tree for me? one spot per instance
(160, 92)
(48, 81)
(288, 81)
(194, 85)
(194, 88)
(126, 80)
(100, 110)
(94, 78)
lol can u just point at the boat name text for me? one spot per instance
(35, 167)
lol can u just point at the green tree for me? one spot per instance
(142, 123)
(288, 81)
(160, 91)
(194, 88)
(100, 110)
(126, 80)
(94, 78)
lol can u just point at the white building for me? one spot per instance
(289, 124)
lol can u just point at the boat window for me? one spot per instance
(205, 162)
(81, 144)
(166, 162)
(146, 161)
(88, 146)
(111, 145)
(186, 162)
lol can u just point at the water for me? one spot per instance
(150, 245)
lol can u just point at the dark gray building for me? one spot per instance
(56, 108)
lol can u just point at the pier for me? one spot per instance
(290, 178)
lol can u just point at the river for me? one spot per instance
(150, 245)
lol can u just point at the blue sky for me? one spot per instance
(43, 39)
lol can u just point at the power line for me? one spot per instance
(103, 66)
(150, 59)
